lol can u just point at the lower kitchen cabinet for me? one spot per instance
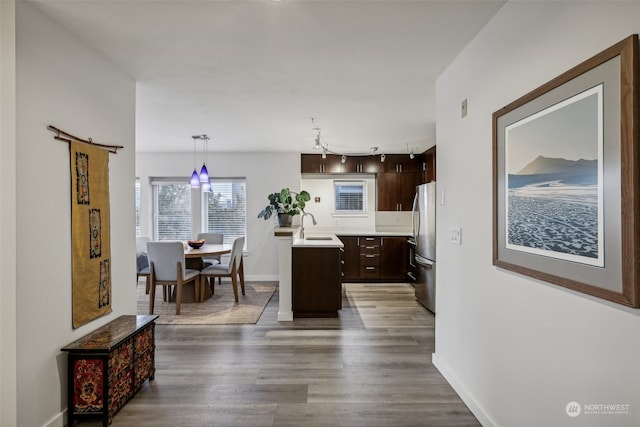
(394, 252)
(316, 281)
(350, 258)
(375, 258)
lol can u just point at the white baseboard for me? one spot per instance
(58, 420)
(261, 278)
(464, 394)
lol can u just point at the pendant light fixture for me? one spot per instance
(204, 173)
(200, 180)
(195, 178)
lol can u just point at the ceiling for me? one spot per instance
(252, 74)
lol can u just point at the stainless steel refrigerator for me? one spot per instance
(424, 233)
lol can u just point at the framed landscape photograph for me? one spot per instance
(565, 179)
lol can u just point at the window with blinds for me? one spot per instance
(137, 206)
(350, 196)
(225, 208)
(172, 209)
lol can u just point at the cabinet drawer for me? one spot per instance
(370, 250)
(369, 272)
(369, 260)
(368, 241)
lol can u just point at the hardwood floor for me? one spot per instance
(369, 367)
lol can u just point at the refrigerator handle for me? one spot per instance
(414, 214)
(423, 262)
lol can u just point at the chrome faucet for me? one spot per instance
(302, 223)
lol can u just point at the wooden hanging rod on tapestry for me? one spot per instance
(110, 148)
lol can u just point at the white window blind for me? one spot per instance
(226, 208)
(350, 196)
(172, 209)
(137, 206)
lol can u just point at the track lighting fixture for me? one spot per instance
(373, 151)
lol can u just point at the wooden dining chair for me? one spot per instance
(234, 269)
(167, 269)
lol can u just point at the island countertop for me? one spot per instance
(317, 241)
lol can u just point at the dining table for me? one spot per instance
(194, 259)
(207, 250)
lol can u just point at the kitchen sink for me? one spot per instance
(319, 238)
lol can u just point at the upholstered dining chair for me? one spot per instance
(142, 262)
(167, 269)
(211, 238)
(234, 269)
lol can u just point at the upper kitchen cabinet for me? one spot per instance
(397, 184)
(314, 163)
(396, 190)
(361, 164)
(400, 163)
(428, 165)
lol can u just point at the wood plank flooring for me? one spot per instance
(369, 367)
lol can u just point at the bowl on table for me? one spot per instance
(195, 244)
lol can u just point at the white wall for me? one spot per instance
(266, 173)
(326, 219)
(8, 357)
(516, 349)
(323, 211)
(63, 83)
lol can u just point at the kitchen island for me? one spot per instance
(316, 263)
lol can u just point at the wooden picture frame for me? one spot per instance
(566, 170)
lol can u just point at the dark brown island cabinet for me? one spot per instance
(108, 366)
(316, 281)
(375, 258)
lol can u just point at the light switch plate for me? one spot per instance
(455, 236)
(463, 108)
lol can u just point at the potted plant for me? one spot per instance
(286, 204)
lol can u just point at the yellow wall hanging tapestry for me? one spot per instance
(90, 233)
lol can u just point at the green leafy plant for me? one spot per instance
(285, 202)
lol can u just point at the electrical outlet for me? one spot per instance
(463, 108)
(455, 236)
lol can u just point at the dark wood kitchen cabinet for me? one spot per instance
(396, 190)
(375, 258)
(361, 164)
(394, 253)
(369, 258)
(314, 163)
(350, 258)
(316, 281)
(428, 170)
(400, 163)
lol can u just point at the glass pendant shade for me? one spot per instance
(195, 179)
(204, 174)
(206, 187)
